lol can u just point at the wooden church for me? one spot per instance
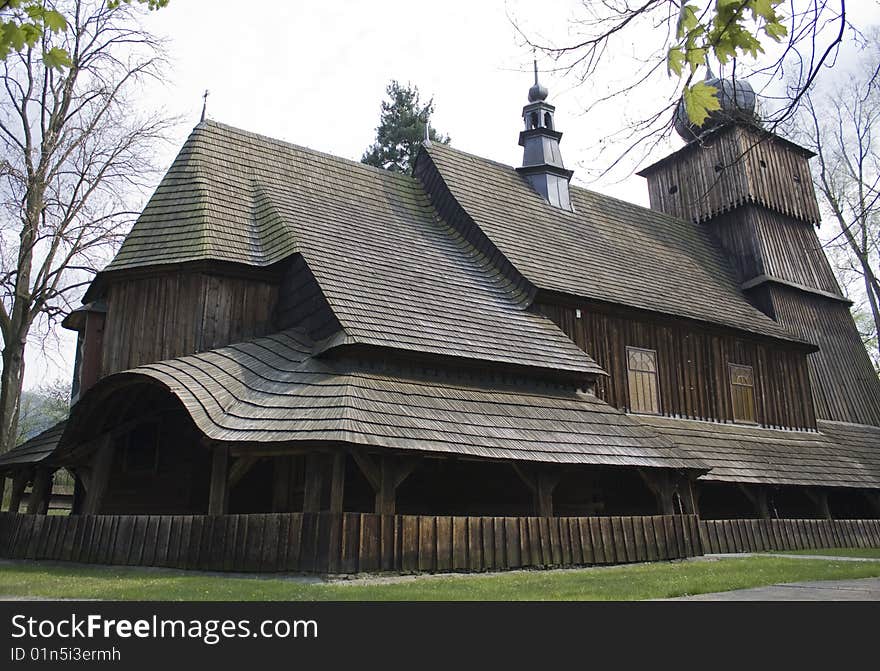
(283, 330)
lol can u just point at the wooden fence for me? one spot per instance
(763, 535)
(347, 542)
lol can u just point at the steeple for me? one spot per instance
(542, 162)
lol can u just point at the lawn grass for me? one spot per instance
(869, 553)
(633, 582)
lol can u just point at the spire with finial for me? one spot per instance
(205, 103)
(538, 92)
(542, 161)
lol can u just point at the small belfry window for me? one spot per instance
(742, 390)
(641, 374)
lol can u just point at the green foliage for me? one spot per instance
(43, 408)
(401, 129)
(726, 29)
(24, 23)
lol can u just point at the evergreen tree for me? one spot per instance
(401, 129)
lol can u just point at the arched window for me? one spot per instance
(548, 120)
(533, 120)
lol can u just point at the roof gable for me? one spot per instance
(393, 272)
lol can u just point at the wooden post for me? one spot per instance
(102, 460)
(337, 483)
(281, 484)
(313, 483)
(757, 496)
(218, 497)
(79, 495)
(660, 484)
(19, 482)
(385, 497)
(385, 478)
(820, 498)
(2, 488)
(541, 482)
(41, 492)
(687, 494)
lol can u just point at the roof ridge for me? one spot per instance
(399, 176)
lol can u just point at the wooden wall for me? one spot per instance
(692, 365)
(845, 386)
(730, 168)
(348, 542)
(155, 317)
(722, 536)
(760, 242)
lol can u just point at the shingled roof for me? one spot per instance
(606, 250)
(394, 274)
(838, 455)
(35, 449)
(271, 390)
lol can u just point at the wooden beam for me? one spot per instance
(541, 481)
(2, 488)
(281, 484)
(218, 497)
(660, 484)
(368, 468)
(41, 491)
(686, 491)
(386, 494)
(314, 483)
(99, 479)
(820, 498)
(337, 483)
(757, 496)
(19, 482)
(239, 469)
(526, 477)
(546, 482)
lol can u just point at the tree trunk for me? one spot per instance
(11, 380)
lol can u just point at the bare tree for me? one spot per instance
(666, 45)
(839, 125)
(75, 151)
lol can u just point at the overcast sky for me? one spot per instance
(314, 73)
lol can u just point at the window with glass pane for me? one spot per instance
(742, 388)
(641, 372)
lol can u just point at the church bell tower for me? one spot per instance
(752, 189)
(542, 164)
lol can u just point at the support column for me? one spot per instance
(337, 483)
(757, 496)
(385, 477)
(660, 483)
(218, 497)
(542, 481)
(820, 498)
(102, 460)
(283, 484)
(79, 495)
(19, 482)
(313, 483)
(41, 492)
(2, 488)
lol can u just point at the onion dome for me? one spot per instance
(737, 98)
(538, 92)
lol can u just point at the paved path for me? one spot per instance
(862, 589)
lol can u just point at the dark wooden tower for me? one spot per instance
(753, 190)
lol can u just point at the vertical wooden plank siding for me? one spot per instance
(692, 369)
(368, 542)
